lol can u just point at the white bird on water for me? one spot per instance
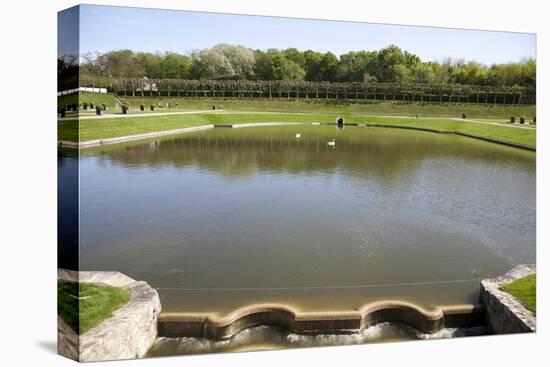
(331, 142)
(298, 135)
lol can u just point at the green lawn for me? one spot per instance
(106, 128)
(86, 308)
(528, 122)
(342, 107)
(525, 290)
(525, 137)
(97, 99)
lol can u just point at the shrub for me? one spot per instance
(142, 107)
(512, 119)
(98, 111)
(62, 111)
(463, 115)
(125, 108)
(534, 119)
(152, 107)
(104, 106)
(85, 105)
(522, 120)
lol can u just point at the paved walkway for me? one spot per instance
(495, 123)
(119, 115)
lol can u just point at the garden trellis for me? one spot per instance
(299, 89)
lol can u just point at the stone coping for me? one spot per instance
(112, 278)
(222, 327)
(127, 334)
(505, 313)
(122, 139)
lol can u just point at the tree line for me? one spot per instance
(232, 62)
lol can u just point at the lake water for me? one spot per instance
(224, 218)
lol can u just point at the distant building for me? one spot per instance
(147, 86)
(82, 90)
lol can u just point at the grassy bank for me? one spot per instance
(107, 128)
(343, 107)
(83, 309)
(97, 99)
(525, 290)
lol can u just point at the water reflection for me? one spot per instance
(238, 152)
(259, 209)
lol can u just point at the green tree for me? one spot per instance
(295, 56)
(240, 58)
(233, 62)
(328, 66)
(422, 73)
(285, 69)
(150, 64)
(391, 65)
(312, 65)
(174, 66)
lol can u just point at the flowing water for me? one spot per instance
(267, 338)
(221, 219)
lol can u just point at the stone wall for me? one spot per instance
(505, 314)
(129, 333)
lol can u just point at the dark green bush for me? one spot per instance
(512, 119)
(142, 107)
(463, 115)
(125, 108)
(522, 120)
(152, 107)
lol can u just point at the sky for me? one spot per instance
(67, 32)
(106, 28)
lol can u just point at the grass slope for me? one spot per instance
(525, 290)
(95, 98)
(83, 309)
(344, 107)
(107, 128)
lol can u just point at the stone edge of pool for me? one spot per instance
(505, 314)
(127, 334)
(134, 328)
(127, 138)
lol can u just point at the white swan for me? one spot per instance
(331, 142)
(298, 135)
